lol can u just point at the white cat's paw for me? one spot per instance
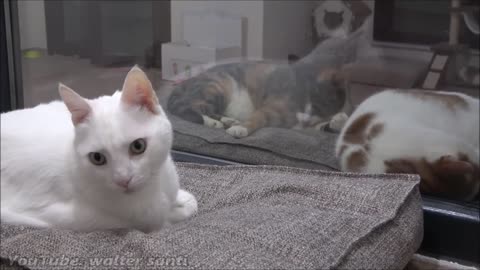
(227, 121)
(338, 121)
(210, 122)
(238, 131)
(184, 206)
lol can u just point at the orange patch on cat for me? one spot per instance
(375, 130)
(255, 77)
(274, 113)
(339, 77)
(220, 86)
(327, 74)
(199, 106)
(448, 176)
(356, 161)
(449, 100)
(356, 131)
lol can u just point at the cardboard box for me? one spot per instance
(179, 58)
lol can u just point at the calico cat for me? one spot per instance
(244, 97)
(431, 133)
(92, 164)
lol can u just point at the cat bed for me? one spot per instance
(266, 146)
(251, 217)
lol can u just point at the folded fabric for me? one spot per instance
(251, 217)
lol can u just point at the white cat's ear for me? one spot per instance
(138, 91)
(76, 104)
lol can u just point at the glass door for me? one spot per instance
(87, 45)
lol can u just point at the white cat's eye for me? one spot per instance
(97, 158)
(138, 146)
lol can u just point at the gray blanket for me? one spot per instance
(268, 146)
(251, 217)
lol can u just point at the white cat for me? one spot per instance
(92, 164)
(431, 133)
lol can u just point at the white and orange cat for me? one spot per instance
(430, 133)
(92, 164)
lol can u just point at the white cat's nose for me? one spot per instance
(123, 182)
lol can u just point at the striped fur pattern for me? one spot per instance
(244, 97)
(430, 133)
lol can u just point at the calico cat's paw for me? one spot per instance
(321, 126)
(210, 122)
(184, 206)
(238, 131)
(338, 121)
(227, 121)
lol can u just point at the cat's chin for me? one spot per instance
(132, 189)
(129, 191)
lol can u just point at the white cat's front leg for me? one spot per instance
(60, 215)
(185, 205)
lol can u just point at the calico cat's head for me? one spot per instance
(122, 140)
(330, 94)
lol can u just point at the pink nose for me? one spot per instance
(123, 182)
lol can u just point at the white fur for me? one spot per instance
(239, 109)
(416, 128)
(240, 106)
(238, 131)
(47, 179)
(338, 121)
(229, 121)
(210, 122)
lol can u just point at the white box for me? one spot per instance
(212, 29)
(180, 59)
